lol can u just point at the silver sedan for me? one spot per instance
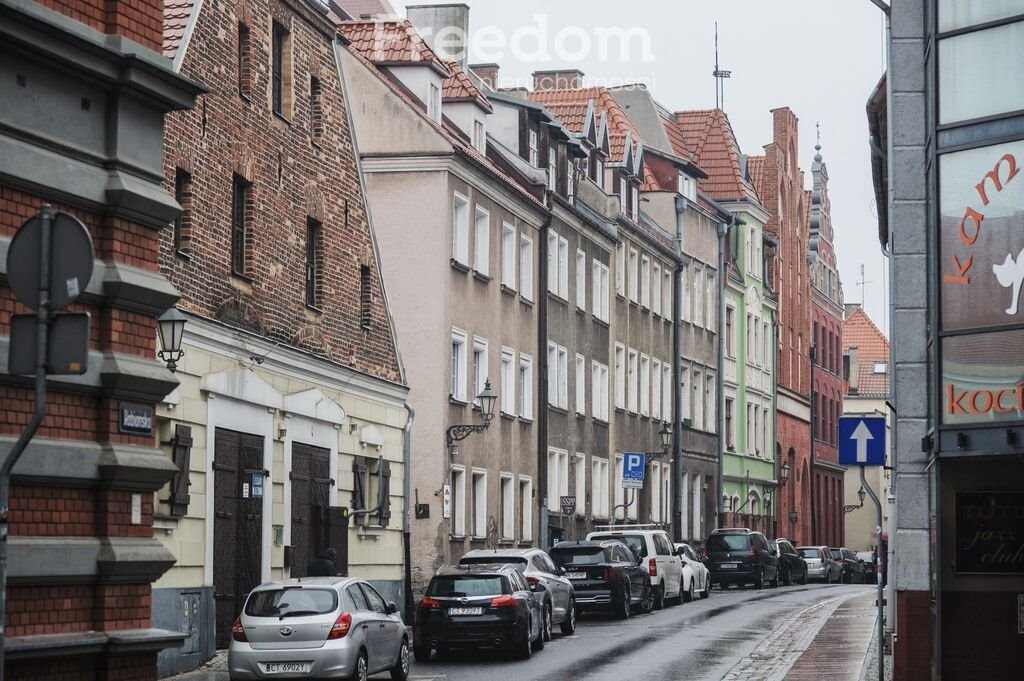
(318, 627)
(820, 564)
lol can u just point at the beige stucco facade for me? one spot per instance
(862, 524)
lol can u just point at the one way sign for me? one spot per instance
(862, 440)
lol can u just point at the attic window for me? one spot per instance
(434, 102)
(880, 367)
(534, 149)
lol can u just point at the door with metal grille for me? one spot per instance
(311, 487)
(238, 486)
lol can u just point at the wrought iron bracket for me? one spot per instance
(461, 432)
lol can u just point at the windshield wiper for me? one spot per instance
(299, 613)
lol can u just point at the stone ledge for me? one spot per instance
(86, 560)
(125, 641)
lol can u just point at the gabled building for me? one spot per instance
(751, 479)
(826, 367)
(289, 424)
(461, 250)
(779, 182)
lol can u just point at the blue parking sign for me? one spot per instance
(633, 469)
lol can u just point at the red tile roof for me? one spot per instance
(755, 168)
(176, 16)
(872, 348)
(570, 107)
(390, 41)
(459, 87)
(709, 135)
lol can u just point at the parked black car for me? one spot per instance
(870, 567)
(738, 555)
(606, 576)
(478, 606)
(853, 569)
(792, 568)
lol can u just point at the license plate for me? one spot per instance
(729, 566)
(465, 611)
(287, 667)
(576, 575)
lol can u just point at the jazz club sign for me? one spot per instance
(981, 273)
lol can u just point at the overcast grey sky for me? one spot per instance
(821, 58)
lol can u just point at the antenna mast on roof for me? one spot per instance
(863, 286)
(720, 76)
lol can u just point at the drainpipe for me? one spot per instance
(775, 410)
(542, 363)
(677, 360)
(810, 484)
(723, 233)
(407, 496)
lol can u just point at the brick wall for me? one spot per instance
(296, 171)
(795, 496)
(138, 20)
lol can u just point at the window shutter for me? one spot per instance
(181, 453)
(384, 493)
(358, 488)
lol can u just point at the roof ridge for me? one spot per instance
(871, 323)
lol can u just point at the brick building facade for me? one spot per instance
(779, 182)
(292, 392)
(83, 97)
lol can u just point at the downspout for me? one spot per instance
(775, 411)
(677, 360)
(542, 363)
(810, 484)
(406, 523)
(723, 233)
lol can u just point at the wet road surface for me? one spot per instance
(699, 640)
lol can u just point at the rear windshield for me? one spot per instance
(866, 556)
(465, 585)
(837, 553)
(295, 602)
(519, 563)
(636, 542)
(810, 553)
(584, 556)
(728, 542)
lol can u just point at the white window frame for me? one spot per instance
(480, 348)
(620, 376)
(558, 477)
(645, 385)
(697, 399)
(599, 488)
(480, 136)
(634, 275)
(460, 229)
(599, 391)
(581, 385)
(684, 394)
(666, 293)
(655, 493)
(509, 256)
(632, 380)
(434, 102)
(620, 269)
(525, 386)
(482, 240)
(458, 364)
(508, 506)
(618, 494)
(602, 295)
(666, 392)
(581, 280)
(534, 153)
(570, 179)
(656, 293)
(580, 482)
(711, 315)
(645, 282)
(526, 267)
(458, 483)
(508, 381)
(730, 331)
(710, 402)
(686, 313)
(635, 195)
(552, 168)
(479, 480)
(526, 508)
(656, 389)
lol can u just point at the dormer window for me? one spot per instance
(480, 137)
(570, 179)
(598, 171)
(687, 186)
(552, 169)
(434, 102)
(635, 204)
(534, 149)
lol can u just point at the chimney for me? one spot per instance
(852, 370)
(571, 79)
(444, 27)
(488, 73)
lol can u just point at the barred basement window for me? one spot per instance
(316, 123)
(244, 72)
(364, 297)
(183, 223)
(314, 259)
(239, 225)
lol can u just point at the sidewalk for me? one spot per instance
(829, 640)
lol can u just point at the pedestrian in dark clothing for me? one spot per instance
(324, 565)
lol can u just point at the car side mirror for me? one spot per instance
(562, 571)
(391, 608)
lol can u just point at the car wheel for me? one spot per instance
(803, 579)
(362, 668)
(400, 672)
(569, 623)
(828, 577)
(706, 593)
(545, 630)
(787, 578)
(421, 653)
(775, 580)
(524, 649)
(759, 580)
(659, 597)
(647, 602)
(622, 609)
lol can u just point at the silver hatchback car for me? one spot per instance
(318, 627)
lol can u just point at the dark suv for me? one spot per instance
(476, 606)
(741, 556)
(853, 568)
(792, 568)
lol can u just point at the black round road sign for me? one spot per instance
(71, 260)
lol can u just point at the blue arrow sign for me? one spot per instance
(862, 440)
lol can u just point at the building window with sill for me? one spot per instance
(281, 70)
(482, 241)
(241, 218)
(457, 387)
(314, 262)
(460, 229)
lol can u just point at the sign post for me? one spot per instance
(44, 279)
(862, 443)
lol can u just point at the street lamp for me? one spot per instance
(792, 518)
(666, 438)
(784, 476)
(171, 328)
(487, 398)
(850, 508)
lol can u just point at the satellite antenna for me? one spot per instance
(720, 76)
